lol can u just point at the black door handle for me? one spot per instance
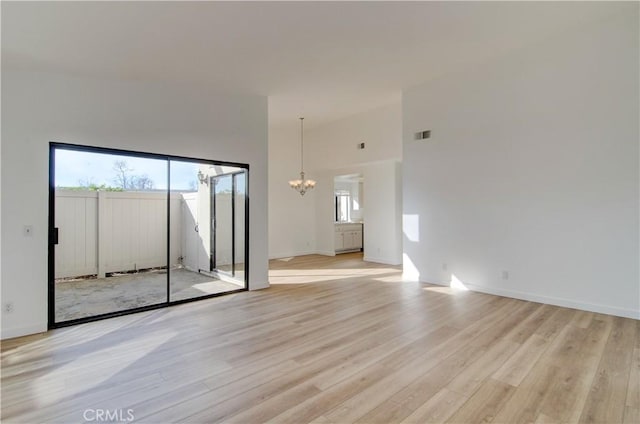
(53, 236)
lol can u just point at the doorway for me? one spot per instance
(131, 231)
(349, 213)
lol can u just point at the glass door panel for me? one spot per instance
(239, 223)
(200, 253)
(110, 217)
(190, 275)
(222, 222)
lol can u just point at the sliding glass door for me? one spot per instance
(131, 231)
(203, 265)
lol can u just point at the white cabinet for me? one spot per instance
(339, 241)
(352, 240)
(348, 237)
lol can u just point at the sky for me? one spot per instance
(75, 167)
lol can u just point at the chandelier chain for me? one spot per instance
(301, 144)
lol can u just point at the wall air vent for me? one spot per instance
(423, 135)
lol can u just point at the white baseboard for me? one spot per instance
(291, 254)
(303, 253)
(260, 286)
(10, 333)
(556, 301)
(338, 252)
(381, 260)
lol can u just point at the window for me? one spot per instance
(342, 206)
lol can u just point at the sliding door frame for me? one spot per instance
(53, 236)
(213, 264)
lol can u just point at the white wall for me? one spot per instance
(532, 168)
(158, 118)
(334, 145)
(331, 150)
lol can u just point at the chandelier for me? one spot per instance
(301, 185)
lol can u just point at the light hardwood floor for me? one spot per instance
(334, 340)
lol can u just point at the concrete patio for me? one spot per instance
(88, 297)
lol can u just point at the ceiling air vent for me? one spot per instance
(423, 135)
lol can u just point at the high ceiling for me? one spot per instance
(323, 60)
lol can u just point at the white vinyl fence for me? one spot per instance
(102, 232)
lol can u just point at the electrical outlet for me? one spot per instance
(8, 307)
(445, 267)
(505, 275)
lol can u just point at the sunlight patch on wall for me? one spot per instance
(455, 283)
(409, 270)
(411, 227)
